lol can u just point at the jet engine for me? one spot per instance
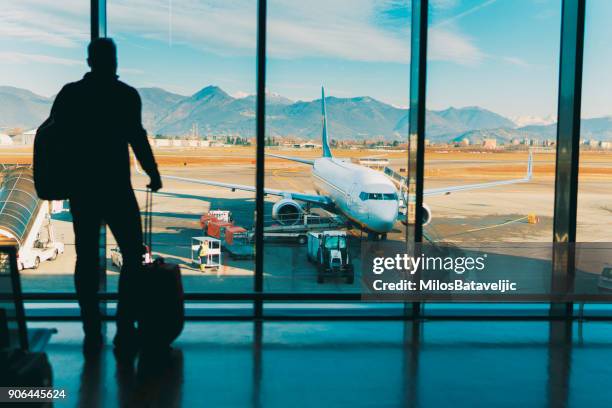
(426, 214)
(287, 211)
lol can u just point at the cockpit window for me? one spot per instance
(377, 196)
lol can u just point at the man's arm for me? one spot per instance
(140, 144)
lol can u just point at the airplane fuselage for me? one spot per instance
(364, 196)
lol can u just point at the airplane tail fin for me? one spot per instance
(530, 165)
(325, 140)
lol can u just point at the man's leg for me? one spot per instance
(123, 219)
(86, 224)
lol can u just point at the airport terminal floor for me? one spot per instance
(347, 364)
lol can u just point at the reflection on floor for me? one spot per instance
(349, 364)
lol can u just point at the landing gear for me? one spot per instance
(374, 236)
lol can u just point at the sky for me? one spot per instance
(501, 55)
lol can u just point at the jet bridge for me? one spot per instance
(22, 213)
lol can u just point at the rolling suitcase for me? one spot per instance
(162, 307)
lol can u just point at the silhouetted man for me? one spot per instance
(100, 116)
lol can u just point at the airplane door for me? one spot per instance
(349, 195)
(353, 195)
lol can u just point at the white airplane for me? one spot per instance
(365, 197)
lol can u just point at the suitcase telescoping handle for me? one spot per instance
(148, 221)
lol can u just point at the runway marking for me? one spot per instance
(487, 227)
(286, 179)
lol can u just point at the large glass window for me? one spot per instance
(193, 63)
(42, 47)
(594, 221)
(326, 161)
(594, 213)
(335, 137)
(490, 132)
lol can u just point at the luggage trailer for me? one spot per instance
(213, 257)
(299, 231)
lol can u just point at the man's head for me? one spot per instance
(102, 56)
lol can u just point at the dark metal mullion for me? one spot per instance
(260, 171)
(568, 149)
(98, 19)
(98, 30)
(416, 131)
(94, 18)
(17, 297)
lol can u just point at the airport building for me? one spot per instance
(364, 204)
(5, 140)
(19, 204)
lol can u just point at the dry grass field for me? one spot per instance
(443, 164)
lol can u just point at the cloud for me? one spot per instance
(451, 20)
(340, 29)
(23, 58)
(452, 47)
(442, 4)
(516, 61)
(62, 24)
(355, 30)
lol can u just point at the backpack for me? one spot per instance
(51, 161)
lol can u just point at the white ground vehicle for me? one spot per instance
(25, 219)
(117, 257)
(328, 250)
(221, 215)
(44, 248)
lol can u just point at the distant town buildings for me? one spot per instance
(5, 140)
(177, 142)
(309, 145)
(489, 144)
(597, 144)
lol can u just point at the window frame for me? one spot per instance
(566, 172)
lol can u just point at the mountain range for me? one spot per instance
(215, 112)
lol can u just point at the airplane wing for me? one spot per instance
(295, 159)
(467, 187)
(309, 198)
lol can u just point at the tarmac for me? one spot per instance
(493, 215)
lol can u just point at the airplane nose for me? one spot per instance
(383, 215)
